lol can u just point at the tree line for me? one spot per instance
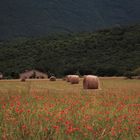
(107, 52)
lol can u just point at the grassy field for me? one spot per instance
(45, 110)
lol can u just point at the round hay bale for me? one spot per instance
(74, 79)
(68, 78)
(52, 78)
(23, 79)
(91, 82)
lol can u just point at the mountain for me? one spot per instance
(30, 18)
(107, 52)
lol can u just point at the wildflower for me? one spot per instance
(18, 103)
(17, 110)
(67, 123)
(126, 129)
(28, 110)
(120, 131)
(3, 107)
(89, 128)
(56, 128)
(99, 118)
(121, 107)
(107, 119)
(46, 129)
(11, 105)
(138, 127)
(60, 119)
(113, 132)
(107, 112)
(23, 126)
(62, 112)
(47, 119)
(69, 130)
(21, 110)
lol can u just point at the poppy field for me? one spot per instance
(57, 110)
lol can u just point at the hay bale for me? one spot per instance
(74, 79)
(91, 82)
(23, 79)
(68, 78)
(1, 76)
(52, 78)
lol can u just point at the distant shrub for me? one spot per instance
(52, 78)
(137, 72)
(129, 74)
(107, 71)
(23, 79)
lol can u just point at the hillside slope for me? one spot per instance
(42, 17)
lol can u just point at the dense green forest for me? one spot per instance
(105, 52)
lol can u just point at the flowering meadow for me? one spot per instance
(45, 110)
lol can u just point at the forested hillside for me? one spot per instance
(106, 52)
